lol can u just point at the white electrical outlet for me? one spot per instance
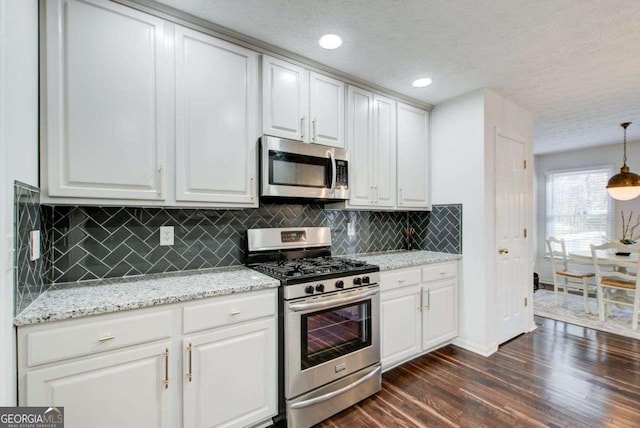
(34, 245)
(166, 235)
(351, 228)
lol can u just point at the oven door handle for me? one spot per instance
(330, 395)
(297, 307)
(334, 171)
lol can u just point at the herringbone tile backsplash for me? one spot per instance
(83, 243)
(30, 277)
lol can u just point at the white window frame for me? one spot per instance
(548, 197)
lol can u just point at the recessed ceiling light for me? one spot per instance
(330, 41)
(421, 83)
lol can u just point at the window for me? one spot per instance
(579, 210)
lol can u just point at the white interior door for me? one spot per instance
(512, 278)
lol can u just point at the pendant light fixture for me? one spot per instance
(625, 185)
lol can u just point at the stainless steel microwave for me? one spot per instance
(292, 169)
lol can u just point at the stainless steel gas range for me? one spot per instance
(330, 355)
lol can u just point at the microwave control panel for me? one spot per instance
(342, 174)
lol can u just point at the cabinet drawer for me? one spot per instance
(400, 278)
(82, 338)
(439, 271)
(220, 311)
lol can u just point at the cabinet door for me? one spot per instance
(384, 146)
(401, 318)
(233, 376)
(106, 100)
(441, 313)
(123, 389)
(216, 120)
(359, 140)
(413, 158)
(326, 110)
(285, 100)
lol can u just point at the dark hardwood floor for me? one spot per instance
(560, 375)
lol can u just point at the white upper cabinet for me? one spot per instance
(285, 99)
(301, 105)
(371, 140)
(359, 139)
(384, 147)
(105, 100)
(117, 82)
(326, 110)
(216, 120)
(414, 161)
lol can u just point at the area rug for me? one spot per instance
(571, 310)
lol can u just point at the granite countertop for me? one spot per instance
(111, 295)
(402, 259)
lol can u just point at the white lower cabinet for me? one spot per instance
(401, 322)
(440, 318)
(230, 376)
(419, 311)
(153, 373)
(123, 389)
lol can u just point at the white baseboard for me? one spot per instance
(484, 350)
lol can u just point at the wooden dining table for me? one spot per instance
(584, 257)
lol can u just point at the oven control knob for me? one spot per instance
(320, 288)
(357, 281)
(340, 284)
(365, 280)
(309, 289)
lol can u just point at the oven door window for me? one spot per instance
(289, 169)
(335, 332)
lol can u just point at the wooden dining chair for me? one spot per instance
(616, 285)
(570, 278)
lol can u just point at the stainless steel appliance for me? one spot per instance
(293, 169)
(330, 355)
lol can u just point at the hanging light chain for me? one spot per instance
(624, 144)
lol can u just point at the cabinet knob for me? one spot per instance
(503, 251)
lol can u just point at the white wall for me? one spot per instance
(583, 158)
(463, 147)
(18, 155)
(457, 147)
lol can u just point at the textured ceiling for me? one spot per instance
(574, 63)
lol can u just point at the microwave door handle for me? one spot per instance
(334, 171)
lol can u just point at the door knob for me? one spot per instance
(503, 251)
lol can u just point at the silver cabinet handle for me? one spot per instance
(377, 193)
(373, 195)
(420, 307)
(234, 312)
(302, 128)
(401, 198)
(314, 135)
(161, 181)
(252, 194)
(190, 372)
(312, 401)
(166, 368)
(428, 299)
(106, 338)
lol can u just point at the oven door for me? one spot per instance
(329, 337)
(298, 170)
